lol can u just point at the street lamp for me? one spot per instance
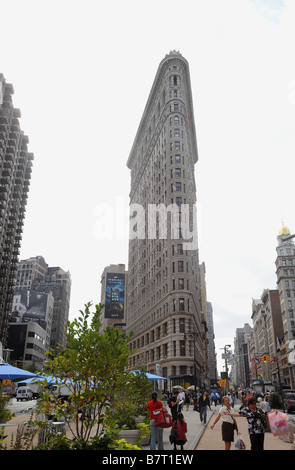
(226, 366)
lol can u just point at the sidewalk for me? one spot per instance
(194, 426)
(195, 430)
(212, 440)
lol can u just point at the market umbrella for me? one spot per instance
(51, 380)
(193, 387)
(8, 372)
(150, 376)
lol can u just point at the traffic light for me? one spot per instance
(222, 382)
(265, 359)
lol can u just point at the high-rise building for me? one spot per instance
(211, 346)
(164, 296)
(15, 174)
(241, 371)
(285, 264)
(36, 276)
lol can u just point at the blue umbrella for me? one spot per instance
(8, 372)
(40, 378)
(150, 376)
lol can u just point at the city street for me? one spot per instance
(21, 407)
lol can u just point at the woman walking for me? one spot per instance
(228, 423)
(256, 418)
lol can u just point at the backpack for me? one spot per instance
(173, 435)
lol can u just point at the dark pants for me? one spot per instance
(257, 441)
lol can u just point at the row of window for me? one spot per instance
(178, 326)
(180, 348)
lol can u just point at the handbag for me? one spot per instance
(162, 418)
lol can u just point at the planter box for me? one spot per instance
(130, 435)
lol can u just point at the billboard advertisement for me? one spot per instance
(115, 296)
(32, 305)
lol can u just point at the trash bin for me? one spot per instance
(58, 427)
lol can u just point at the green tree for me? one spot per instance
(93, 368)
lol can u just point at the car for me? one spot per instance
(289, 400)
(24, 393)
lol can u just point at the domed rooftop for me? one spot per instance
(284, 230)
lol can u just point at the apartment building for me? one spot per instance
(15, 175)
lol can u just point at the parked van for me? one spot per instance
(24, 393)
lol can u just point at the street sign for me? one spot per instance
(257, 360)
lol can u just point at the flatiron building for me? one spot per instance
(164, 292)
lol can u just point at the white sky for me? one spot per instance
(82, 72)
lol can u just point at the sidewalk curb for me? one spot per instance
(195, 443)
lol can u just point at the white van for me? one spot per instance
(24, 393)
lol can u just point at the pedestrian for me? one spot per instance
(256, 418)
(181, 397)
(229, 424)
(232, 399)
(174, 405)
(263, 404)
(217, 396)
(187, 399)
(204, 402)
(156, 432)
(181, 426)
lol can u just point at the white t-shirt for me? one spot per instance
(226, 418)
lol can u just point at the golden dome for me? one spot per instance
(284, 230)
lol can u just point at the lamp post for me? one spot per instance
(226, 366)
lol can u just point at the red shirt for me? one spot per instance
(151, 406)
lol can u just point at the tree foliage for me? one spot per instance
(93, 367)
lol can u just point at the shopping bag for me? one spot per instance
(278, 423)
(240, 444)
(162, 418)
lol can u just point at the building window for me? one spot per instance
(178, 186)
(179, 201)
(181, 305)
(182, 348)
(180, 266)
(181, 325)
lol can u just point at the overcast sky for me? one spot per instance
(82, 73)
